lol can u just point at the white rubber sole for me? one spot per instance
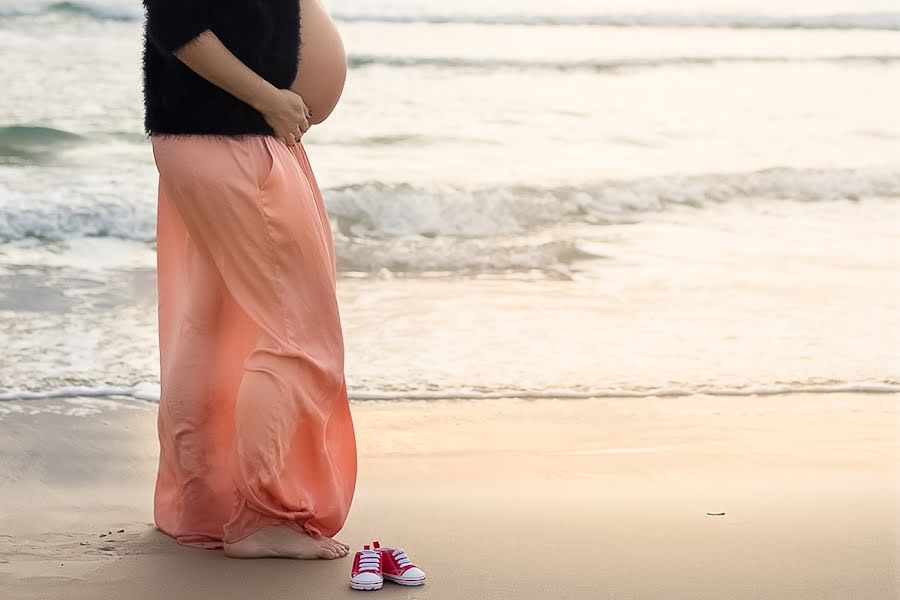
(405, 581)
(366, 586)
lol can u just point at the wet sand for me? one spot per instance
(558, 499)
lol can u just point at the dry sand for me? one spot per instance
(497, 499)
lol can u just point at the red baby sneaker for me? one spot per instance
(397, 567)
(366, 573)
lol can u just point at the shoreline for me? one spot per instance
(499, 499)
(149, 392)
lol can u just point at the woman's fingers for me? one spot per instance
(294, 135)
(289, 117)
(290, 138)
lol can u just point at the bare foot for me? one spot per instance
(346, 546)
(280, 541)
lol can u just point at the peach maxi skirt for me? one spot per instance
(254, 421)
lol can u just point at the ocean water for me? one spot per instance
(569, 199)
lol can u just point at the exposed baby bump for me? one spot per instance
(323, 61)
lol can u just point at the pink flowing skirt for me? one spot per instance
(254, 421)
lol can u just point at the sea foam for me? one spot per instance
(151, 391)
(374, 210)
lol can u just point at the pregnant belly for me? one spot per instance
(323, 61)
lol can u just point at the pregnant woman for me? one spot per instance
(257, 445)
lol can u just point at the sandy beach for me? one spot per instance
(498, 499)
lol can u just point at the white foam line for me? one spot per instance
(140, 391)
(773, 390)
(884, 20)
(150, 392)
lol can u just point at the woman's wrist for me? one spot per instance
(264, 97)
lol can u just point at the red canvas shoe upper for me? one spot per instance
(394, 561)
(366, 561)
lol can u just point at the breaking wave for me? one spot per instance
(378, 211)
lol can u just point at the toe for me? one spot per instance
(414, 573)
(340, 543)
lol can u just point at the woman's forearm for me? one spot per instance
(208, 57)
(195, 44)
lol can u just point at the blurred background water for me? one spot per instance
(538, 198)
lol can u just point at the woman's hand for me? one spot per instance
(287, 114)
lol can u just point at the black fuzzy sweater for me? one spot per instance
(263, 34)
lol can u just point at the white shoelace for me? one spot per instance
(369, 560)
(402, 558)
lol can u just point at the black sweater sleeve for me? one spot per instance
(173, 23)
